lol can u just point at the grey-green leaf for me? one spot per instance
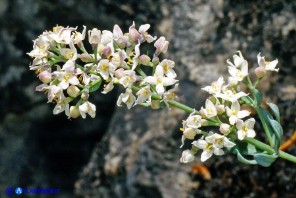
(275, 110)
(278, 131)
(264, 160)
(244, 160)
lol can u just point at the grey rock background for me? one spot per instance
(136, 153)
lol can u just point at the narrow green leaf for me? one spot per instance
(278, 132)
(275, 110)
(95, 86)
(244, 160)
(258, 96)
(264, 160)
(248, 100)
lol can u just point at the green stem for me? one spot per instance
(270, 150)
(259, 111)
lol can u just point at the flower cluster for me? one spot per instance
(69, 72)
(225, 109)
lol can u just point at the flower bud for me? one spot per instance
(74, 112)
(94, 37)
(84, 95)
(155, 60)
(134, 35)
(45, 76)
(85, 57)
(73, 91)
(220, 109)
(204, 122)
(161, 45)
(260, 72)
(106, 52)
(189, 133)
(121, 42)
(119, 73)
(224, 128)
(144, 59)
(187, 156)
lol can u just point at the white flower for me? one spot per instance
(106, 37)
(66, 78)
(245, 128)
(267, 65)
(136, 56)
(193, 121)
(87, 108)
(230, 95)
(188, 133)
(212, 144)
(238, 74)
(187, 156)
(128, 98)
(167, 66)
(109, 87)
(210, 109)
(144, 34)
(215, 87)
(54, 93)
(94, 36)
(144, 94)
(160, 80)
(237, 60)
(219, 141)
(208, 149)
(61, 34)
(40, 48)
(78, 37)
(62, 106)
(128, 78)
(105, 69)
(119, 38)
(69, 53)
(235, 113)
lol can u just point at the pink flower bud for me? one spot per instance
(106, 52)
(134, 35)
(45, 76)
(73, 91)
(161, 45)
(119, 73)
(144, 59)
(260, 72)
(121, 42)
(85, 57)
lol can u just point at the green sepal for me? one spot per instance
(264, 159)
